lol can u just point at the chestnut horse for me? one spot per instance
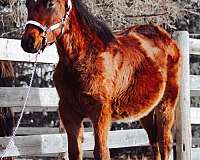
(132, 74)
(6, 114)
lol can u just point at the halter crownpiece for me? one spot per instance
(45, 29)
(69, 7)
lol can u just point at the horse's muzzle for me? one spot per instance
(29, 44)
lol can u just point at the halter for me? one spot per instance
(45, 29)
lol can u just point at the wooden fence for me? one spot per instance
(45, 140)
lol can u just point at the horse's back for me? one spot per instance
(151, 37)
(152, 32)
(155, 43)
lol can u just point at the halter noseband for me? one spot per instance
(46, 29)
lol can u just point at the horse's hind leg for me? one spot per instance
(158, 125)
(149, 124)
(74, 128)
(165, 120)
(165, 111)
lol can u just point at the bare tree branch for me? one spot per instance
(146, 15)
(190, 11)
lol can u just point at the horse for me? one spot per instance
(6, 114)
(133, 74)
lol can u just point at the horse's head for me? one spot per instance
(46, 22)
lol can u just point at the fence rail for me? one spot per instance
(11, 50)
(45, 144)
(56, 143)
(43, 140)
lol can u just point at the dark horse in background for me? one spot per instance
(6, 114)
(104, 76)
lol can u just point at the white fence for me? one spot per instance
(45, 140)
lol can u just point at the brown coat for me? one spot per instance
(132, 74)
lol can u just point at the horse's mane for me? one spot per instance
(97, 26)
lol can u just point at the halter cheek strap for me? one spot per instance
(46, 29)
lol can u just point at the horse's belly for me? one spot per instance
(130, 112)
(140, 99)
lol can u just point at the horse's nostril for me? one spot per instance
(30, 41)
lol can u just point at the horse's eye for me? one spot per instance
(50, 4)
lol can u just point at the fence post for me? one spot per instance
(183, 124)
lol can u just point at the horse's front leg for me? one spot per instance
(101, 120)
(74, 128)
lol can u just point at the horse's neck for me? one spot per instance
(78, 42)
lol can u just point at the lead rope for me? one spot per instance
(11, 140)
